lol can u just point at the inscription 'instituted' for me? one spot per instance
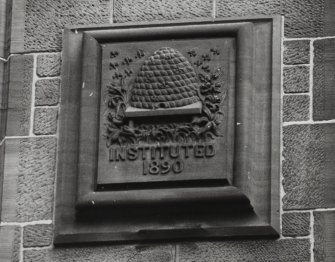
(161, 159)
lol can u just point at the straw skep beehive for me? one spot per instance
(165, 80)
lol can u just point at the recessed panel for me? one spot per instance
(166, 111)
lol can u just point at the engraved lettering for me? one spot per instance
(132, 153)
(186, 148)
(199, 151)
(153, 152)
(165, 167)
(210, 150)
(174, 151)
(111, 155)
(154, 167)
(120, 154)
(178, 166)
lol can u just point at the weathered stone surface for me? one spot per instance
(37, 235)
(307, 18)
(295, 108)
(45, 121)
(296, 79)
(47, 92)
(10, 244)
(296, 52)
(48, 65)
(2, 162)
(107, 253)
(324, 236)
(283, 250)
(29, 173)
(304, 18)
(19, 95)
(296, 224)
(141, 10)
(227, 8)
(3, 99)
(44, 20)
(309, 166)
(324, 80)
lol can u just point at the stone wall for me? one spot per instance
(30, 59)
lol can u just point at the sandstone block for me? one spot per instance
(10, 238)
(296, 224)
(45, 19)
(309, 166)
(47, 92)
(105, 253)
(29, 172)
(19, 95)
(324, 236)
(228, 8)
(3, 99)
(296, 52)
(295, 108)
(48, 65)
(257, 250)
(296, 79)
(45, 121)
(304, 19)
(324, 80)
(37, 235)
(141, 10)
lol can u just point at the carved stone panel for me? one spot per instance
(169, 131)
(164, 111)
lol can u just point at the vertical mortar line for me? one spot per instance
(111, 11)
(56, 160)
(32, 109)
(21, 245)
(213, 9)
(311, 234)
(176, 252)
(311, 76)
(282, 192)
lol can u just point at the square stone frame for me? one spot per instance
(251, 203)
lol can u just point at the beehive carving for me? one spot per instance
(165, 80)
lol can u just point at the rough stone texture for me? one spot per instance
(309, 166)
(296, 224)
(45, 121)
(44, 20)
(2, 159)
(227, 8)
(141, 10)
(296, 52)
(37, 235)
(304, 18)
(255, 251)
(3, 99)
(10, 237)
(29, 179)
(47, 92)
(109, 253)
(296, 79)
(19, 95)
(324, 80)
(324, 236)
(48, 65)
(295, 108)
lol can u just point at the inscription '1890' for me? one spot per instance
(161, 159)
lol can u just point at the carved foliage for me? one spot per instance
(211, 93)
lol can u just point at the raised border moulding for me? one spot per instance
(169, 131)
